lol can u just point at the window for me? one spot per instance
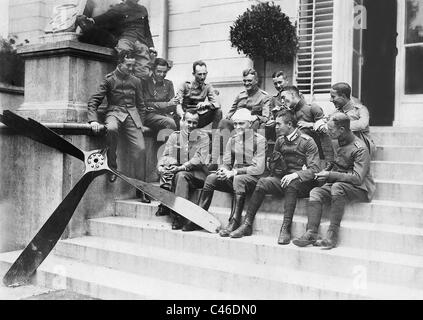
(314, 59)
(414, 47)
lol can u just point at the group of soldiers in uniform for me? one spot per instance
(309, 155)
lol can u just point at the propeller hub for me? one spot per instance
(96, 161)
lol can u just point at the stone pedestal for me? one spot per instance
(34, 179)
(60, 77)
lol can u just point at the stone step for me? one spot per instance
(377, 212)
(352, 235)
(61, 273)
(396, 190)
(401, 138)
(223, 274)
(399, 153)
(392, 170)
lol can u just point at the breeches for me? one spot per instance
(135, 139)
(339, 189)
(241, 184)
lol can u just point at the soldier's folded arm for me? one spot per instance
(96, 100)
(313, 162)
(211, 96)
(363, 122)
(148, 34)
(200, 156)
(359, 172)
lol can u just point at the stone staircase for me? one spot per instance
(135, 255)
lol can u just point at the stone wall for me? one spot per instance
(11, 97)
(200, 30)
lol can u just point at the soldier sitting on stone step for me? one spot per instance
(358, 114)
(293, 166)
(189, 150)
(159, 98)
(307, 116)
(348, 180)
(244, 163)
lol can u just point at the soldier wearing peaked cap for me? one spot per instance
(348, 180)
(293, 165)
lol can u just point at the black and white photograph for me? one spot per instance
(209, 154)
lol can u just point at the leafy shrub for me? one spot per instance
(264, 31)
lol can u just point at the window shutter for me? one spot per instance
(314, 58)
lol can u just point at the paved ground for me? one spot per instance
(38, 293)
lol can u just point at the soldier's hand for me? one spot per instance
(221, 174)
(153, 52)
(286, 181)
(95, 127)
(305, 125)
(322, 176)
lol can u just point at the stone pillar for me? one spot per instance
(59, 79)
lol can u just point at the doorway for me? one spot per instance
(375, 51)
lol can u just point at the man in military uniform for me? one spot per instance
(280, 81)
(293, 166)
(349, 180)
(159, 98)
(244, 164)
(308, 117)
(358, 114)
(257, 101)
(200, 96)
(124, 112)
(131, 21)
(190, 150)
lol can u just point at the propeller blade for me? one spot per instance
(45, 240)
(180, 205)
(36, 131)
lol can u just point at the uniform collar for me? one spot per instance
(156, 83)
(252, 92)
(293, 136)
(348, 107)
(120, 74)
(196, 85)
(344, 141)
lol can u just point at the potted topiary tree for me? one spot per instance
(265, 34)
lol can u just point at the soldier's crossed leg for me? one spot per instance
(141, 53)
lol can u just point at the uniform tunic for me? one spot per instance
(258, 102)
(125, 109)
(157, 97)
(193, 152)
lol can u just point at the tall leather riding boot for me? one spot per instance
(314, 214)
(177, 222)
(235, 219)
(290, 205)
(142, 196)
(246, 229)
(336, 214)
(206, 198)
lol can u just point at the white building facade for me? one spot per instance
(375, 45)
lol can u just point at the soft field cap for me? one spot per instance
(242, 114)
